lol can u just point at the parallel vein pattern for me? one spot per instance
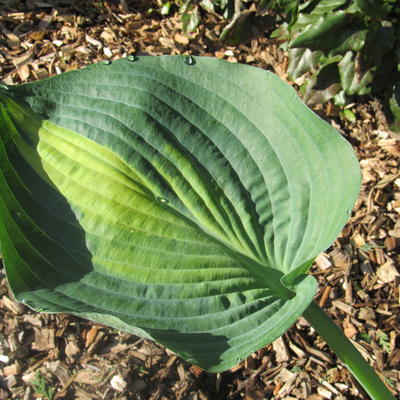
(163, 199)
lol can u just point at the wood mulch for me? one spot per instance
(63, 357)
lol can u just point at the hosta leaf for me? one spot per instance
(178, 199)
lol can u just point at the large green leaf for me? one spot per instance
(178, 199)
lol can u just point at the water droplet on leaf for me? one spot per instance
(162, 200)
(131, 58)
(106, 62)
(190, 60)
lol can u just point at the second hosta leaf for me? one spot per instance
(181, 200)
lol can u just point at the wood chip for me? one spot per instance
(107, 36)
(72, 351)
(343, 306)
(392, 146)
(13, 41)
(288, 378)
(60, 370)
(197, 371)
(118, 383)
(323, 262)
(47, 20)
(181, 39)
(23, 60)
(44, 339)
(12, 305)
(391, 243)
(24, 73)
(358, 240)
(91, 335)
(325, 296)
(387, 272)
(139, 355)
(299, 352)
(349, 329)
(13, 369)
(325, 393)
(87, 376)
(95, 343)
(167, 42)
(10, 381)
(366, 314)
(339, 258)
(107, 52)
(281, 350)
(181, 372)
(93, 41)
(40, 73)
(4, 359)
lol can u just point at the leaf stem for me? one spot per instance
(346, 351)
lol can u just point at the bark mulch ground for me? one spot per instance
(63, 357)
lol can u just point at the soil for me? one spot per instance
(62, 357)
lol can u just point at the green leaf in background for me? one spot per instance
(394, 105)
(354, 80)
(374, 8)
(180, 200)
(331, 32)
(302, 61)
(349, 115)
(165, 8)
(380, 41)
(207, 5)
(315, 11)
(247, 25)
(190, 20)
(321, 7)
(322, 86)
(283, 6)
(384, 341)
(340, 99)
